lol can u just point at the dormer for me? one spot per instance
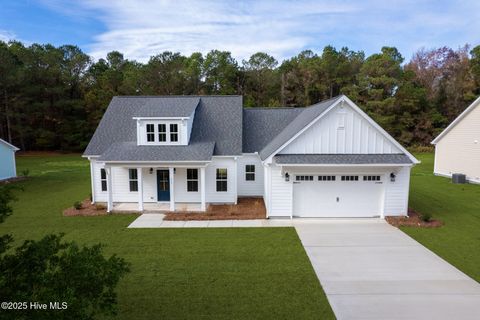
(166, 121)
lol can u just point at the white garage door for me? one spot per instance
(352, 195)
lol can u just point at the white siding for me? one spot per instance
(280, 194)
(250, 188)
(181, 193)
(342, 130)
(121, 187)
(396, 193)
(458, 151)
(212, 196)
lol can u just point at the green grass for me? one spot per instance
(248, 273)
(458, 206)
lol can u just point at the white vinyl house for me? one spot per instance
(326, 160)
(457, 148)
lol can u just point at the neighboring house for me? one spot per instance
(457, 148)
(8, 168)
(326, 160)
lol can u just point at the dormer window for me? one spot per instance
(157, 132)
(150, 132)
(173, 132)
(162, 132)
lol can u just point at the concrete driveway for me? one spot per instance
(371, 270)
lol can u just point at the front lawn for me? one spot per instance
(458, 206)
(248, 273)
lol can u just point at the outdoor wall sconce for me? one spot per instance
(392, 177)
(151, 170)
(287, 177)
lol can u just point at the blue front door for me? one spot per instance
(163, 185)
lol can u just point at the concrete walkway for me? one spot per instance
(155, 220)
(371, 270)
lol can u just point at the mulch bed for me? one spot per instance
(413, 220)
(245, 209)
(88, 209)
(12, 180)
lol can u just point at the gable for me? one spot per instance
(465, 125)
(7, 145)
(342, 130)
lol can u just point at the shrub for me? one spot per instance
(426, 217)
(77, 205)
(25, 172)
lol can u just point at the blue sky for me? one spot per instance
(282, 28)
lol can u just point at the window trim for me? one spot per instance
(133, 180)
(304, 177)
(150, 133)
(162, 133)
(103, 181)
(174, 133)
(372, 178)
(352, 178)
(327, 178)
(250, 174)
(220, 180)
(193, 180)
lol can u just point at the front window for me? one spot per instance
(250, 172)
(162, 132)
(192, 180)
(103, 179)
(133, 179)
(222, 180)
(150, 132)
(173, 132)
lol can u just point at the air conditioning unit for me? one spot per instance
(459, 178)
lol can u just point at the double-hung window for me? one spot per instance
(133, 179)
(162, 132)
(222, 180)
(150, 132)
(250, 172)
(103, 179)
(173, 132)
(192, 180)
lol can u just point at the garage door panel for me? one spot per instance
(337, 198)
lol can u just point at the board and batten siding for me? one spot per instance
(458, 151)
(341, 130)
(250, 188)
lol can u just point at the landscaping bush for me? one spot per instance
(77, 205)
(426, 217)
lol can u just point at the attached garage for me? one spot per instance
(337, 195)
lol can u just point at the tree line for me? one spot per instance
(52, 98)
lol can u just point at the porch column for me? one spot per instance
(171, 173)
(140, 189)
(202, 189)
(108, 171)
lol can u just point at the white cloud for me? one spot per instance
(6, 35)
(283, 28)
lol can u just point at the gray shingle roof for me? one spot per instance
(342, 159)
(217, 119)
(166, 106)
(303, 119)
(261, 125)
(129, 151)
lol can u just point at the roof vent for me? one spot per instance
(459, 178)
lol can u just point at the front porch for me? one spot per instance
(147, 188)
(155, 207)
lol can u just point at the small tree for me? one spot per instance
(54, 271)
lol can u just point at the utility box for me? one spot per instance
(459, 178)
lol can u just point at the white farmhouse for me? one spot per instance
(326, 160)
